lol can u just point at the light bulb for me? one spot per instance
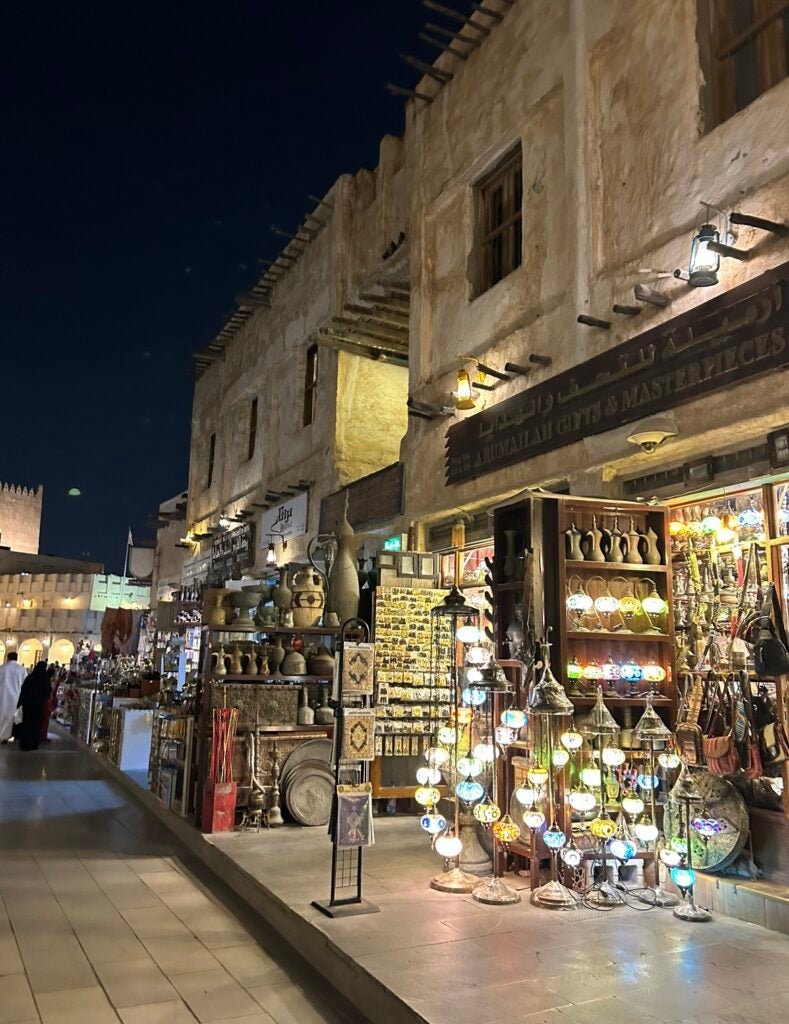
(632, 804)
(537, 775)
(710, 524)
(554, 838)
(447, 735)
(428, 776)
(474, 696)
(654, 673)
(647, 781)
(579, 602)
(611, 671)
(653, 604)
(504, 735)
(534, 819)
(433, 823)
(525, 795)
(630, 672)
(514, 718)
(646, 831)
(470, 766)
(505, 830)
(622, 849)
(670, 857)
(707, 827)
(485, 752)
(473, 675)
(591, 777)
(602, 828)
(629, 605)
(477, 656)
(571, 740)
(427, 796)
(679, 844)
(487, 812)
(592, 671)
(436, 756)
(464, 715)
(469, 634)
(725, 535)
(574, 670)
(606, 604)
(571, 856)
(560, 758)
(613, 756)
(449, 846)
(683, 878)
(668, 759)
(470, 791)
(581, 800)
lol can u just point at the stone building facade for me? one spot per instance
(607, 125)
(20, 517)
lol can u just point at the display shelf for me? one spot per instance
(621, 702)
(601, 634)
(277, 631)
(514, 585)
(270, 679)
(617, 568)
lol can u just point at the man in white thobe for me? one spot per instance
(12, 675)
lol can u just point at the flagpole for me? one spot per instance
(125, 567)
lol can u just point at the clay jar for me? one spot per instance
(214, 606)
(281, 594)
(324, 715)
(344, 576)
(321, 663)
(293, 663)
(308, 598)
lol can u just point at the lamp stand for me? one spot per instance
(454, 880)
(473, 859)
(662, 898)
(688, 911)
(602, 895)
(553, 895)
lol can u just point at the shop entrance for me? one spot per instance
(30, 652)
(62, 651)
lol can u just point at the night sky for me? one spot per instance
(148, 149)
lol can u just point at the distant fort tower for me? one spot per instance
(20, 517)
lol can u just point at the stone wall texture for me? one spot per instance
(20, 517)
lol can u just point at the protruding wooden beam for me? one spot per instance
(398, 90)
(449, 12)
(443, 47)
(381, 334)
(488, 12)
(250, 301)
(441, 31)
(393, 320)
(320, 202)
(442, 77)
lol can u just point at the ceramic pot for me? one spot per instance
(236, 667)
(242, 601)
(276, 657)
(281, 595)
(217, 611)
(324, 715)
(305, 715)
(614, 553)
(218, 662)
(344, 576)
(652, 556)
(573, 548)
(308, 598)
(594, 551)
(293, 663)
(249, 661)
(321, 663)
(632, 553)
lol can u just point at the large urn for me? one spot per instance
(344, 576)
(308, 598)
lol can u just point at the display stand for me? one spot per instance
(346, 862)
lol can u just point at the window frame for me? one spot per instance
(741, 62)
(211, 460)
(310, 408)
(498, 246)
(252, 434)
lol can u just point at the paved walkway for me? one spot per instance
(100, 920)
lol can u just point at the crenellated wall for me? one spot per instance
(20, 517)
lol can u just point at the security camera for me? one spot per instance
(649, 434)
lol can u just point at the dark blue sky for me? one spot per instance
(148, 149)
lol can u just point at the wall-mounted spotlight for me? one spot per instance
(424, 411)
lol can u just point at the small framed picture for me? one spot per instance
(387, 560)
(406, 564)
(427, 567)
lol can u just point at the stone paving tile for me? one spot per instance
(131, 982)
(76, 1006)
(174, 1011)
(214, 995)
(16, 999)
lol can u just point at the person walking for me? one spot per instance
(34, 696)
(12, 675)
(49, 707)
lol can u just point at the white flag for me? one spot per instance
(130, 541)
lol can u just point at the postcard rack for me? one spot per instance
(351, 821)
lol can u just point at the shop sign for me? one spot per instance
(195, 568)
(285, 521)
(734, 337)
(232, 550)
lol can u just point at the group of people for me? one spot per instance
(29, 697)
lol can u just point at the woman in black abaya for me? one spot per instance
(33, 699)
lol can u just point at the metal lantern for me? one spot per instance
(704, 263)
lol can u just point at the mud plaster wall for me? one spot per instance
(608, 106)
(20, 517)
